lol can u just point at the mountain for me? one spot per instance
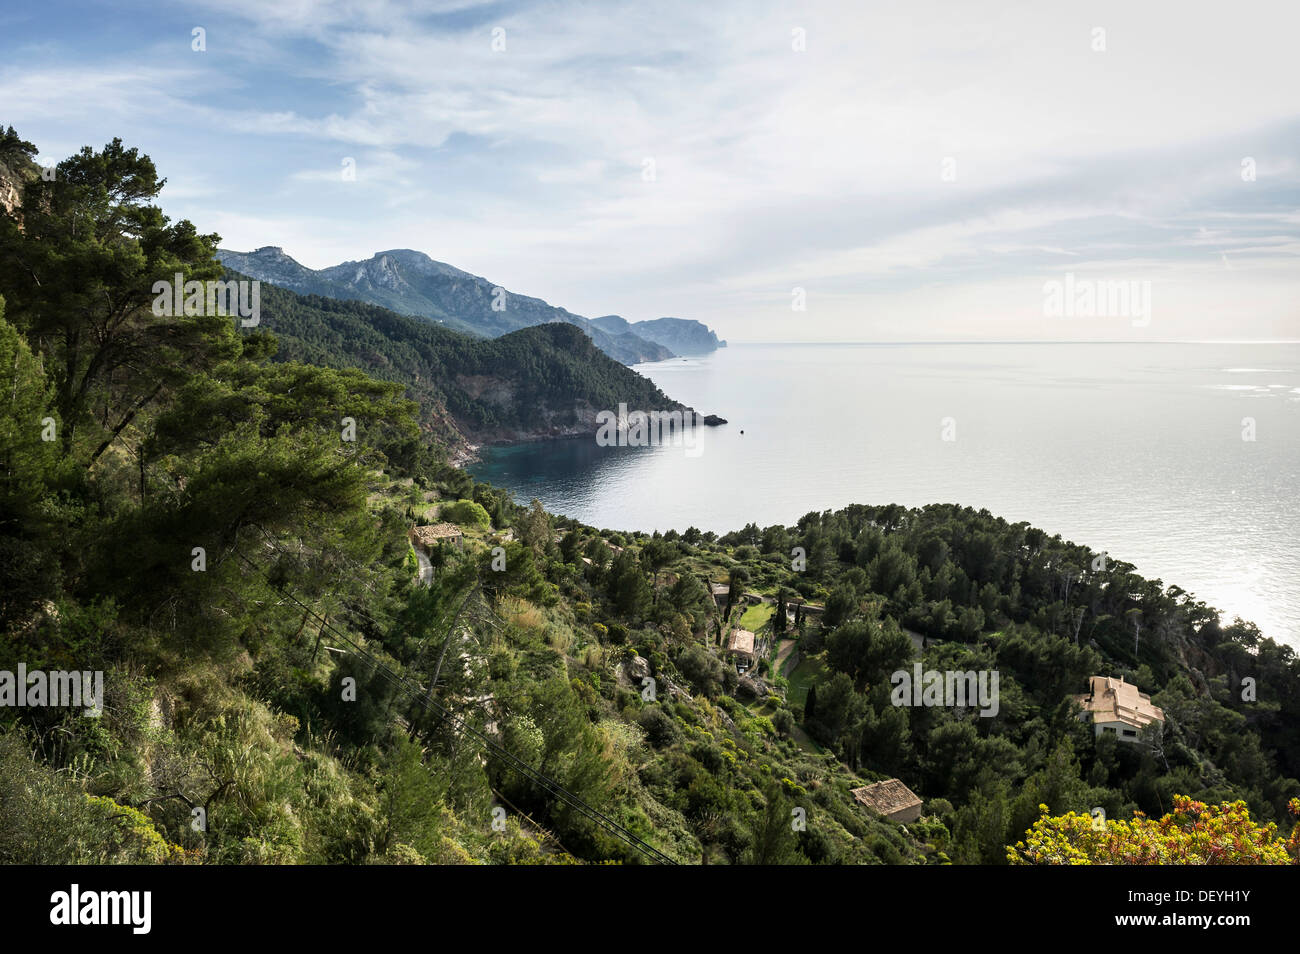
(682, 336)
(547, 380)
(411, 283)
(592, 687)
(271, 264)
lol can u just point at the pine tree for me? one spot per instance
(775, 841)
(79, 275)
(29, 464)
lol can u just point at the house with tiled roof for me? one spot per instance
(892, 799)
(1117, 707)
(740, 645)
(430, 535)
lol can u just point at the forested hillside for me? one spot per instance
(222, 529)
(543, 381)
(411, 283)
(984, 594)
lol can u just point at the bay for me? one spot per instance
(1138, 450)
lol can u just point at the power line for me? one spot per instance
(460, 724)
(545, 831)
(548, 784)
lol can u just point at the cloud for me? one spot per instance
(773, 166)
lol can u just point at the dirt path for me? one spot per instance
(426, 568)
(918, 641)
(783, 651)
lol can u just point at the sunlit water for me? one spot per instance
(1136, 450)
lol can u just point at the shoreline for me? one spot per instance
(471, 451)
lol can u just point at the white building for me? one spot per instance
(1116, 706)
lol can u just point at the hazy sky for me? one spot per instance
(920, 170)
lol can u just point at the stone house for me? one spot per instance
(436, 534)
(892, 799)
(740, 646)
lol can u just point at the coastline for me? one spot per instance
(463, 456)
(471, 451)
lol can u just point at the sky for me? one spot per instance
(851, 171)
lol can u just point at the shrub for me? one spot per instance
(659, 727)
(702, 668)
(1193, 834)
(467, 513)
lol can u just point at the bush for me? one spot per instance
(703, 669)
(1195, 833)
(659, 727)
(466, 513)
(46, 819)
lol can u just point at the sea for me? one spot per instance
(1182, 459)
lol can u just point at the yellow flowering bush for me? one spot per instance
(1193, 834)
(140, 842)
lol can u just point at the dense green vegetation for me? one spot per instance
(184, 507)
(1194, 833)
(410, 283)
(537, 380)
(985, 594)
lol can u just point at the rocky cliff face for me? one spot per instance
(573, 419)
(12, 177)
(682, 336)
(9, 193)
(271, 264)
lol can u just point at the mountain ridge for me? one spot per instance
(684, 336)
(535, 383)
(411, 283)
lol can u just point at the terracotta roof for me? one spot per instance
(435, 531)
(887, 797)
(1114, 700)
(741, 641)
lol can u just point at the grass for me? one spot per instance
(426, 512)
(521, 613)
(756, 617)
(810, 670)
(806, 742)
(776, 652)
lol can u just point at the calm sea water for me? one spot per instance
(1134, 449)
